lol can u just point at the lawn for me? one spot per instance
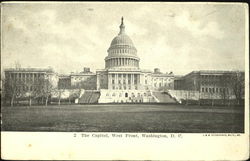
(124, 118)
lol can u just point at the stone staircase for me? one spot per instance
(89, 97)
(163, 97)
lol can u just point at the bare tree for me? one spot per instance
(237, 84)
(47, 90)
(224, 84)
(31, 90)
(13, 89)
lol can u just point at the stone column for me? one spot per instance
(126, 77)
(132, 81)
(97, 81)
(122, 81)
(116, 80)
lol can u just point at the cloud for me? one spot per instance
(196, 28)
(180, 38)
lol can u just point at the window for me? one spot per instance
(113, 94)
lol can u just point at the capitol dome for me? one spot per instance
(122, 39)
(122, 52)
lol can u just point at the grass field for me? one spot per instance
(124, 118)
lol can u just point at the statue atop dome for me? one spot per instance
(122, 27)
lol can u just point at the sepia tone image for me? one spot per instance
(123, 67)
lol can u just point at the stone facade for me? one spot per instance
(29, 79)
(216, 83)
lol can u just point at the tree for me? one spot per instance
(224, 86)
(13, 89)
(31, 90)
(237, 84)
(48, 89)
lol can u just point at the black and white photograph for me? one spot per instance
(125, 68)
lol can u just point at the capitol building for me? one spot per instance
(123, 81)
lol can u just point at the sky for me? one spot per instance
(173, 37)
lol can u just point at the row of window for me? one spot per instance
(26, 75)
(124, 82)
(215, 76)
(28, 88)
(122, 51)
(160, 85)
(214, 90)
(161, 79)
(124, 87)
(126, 94)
